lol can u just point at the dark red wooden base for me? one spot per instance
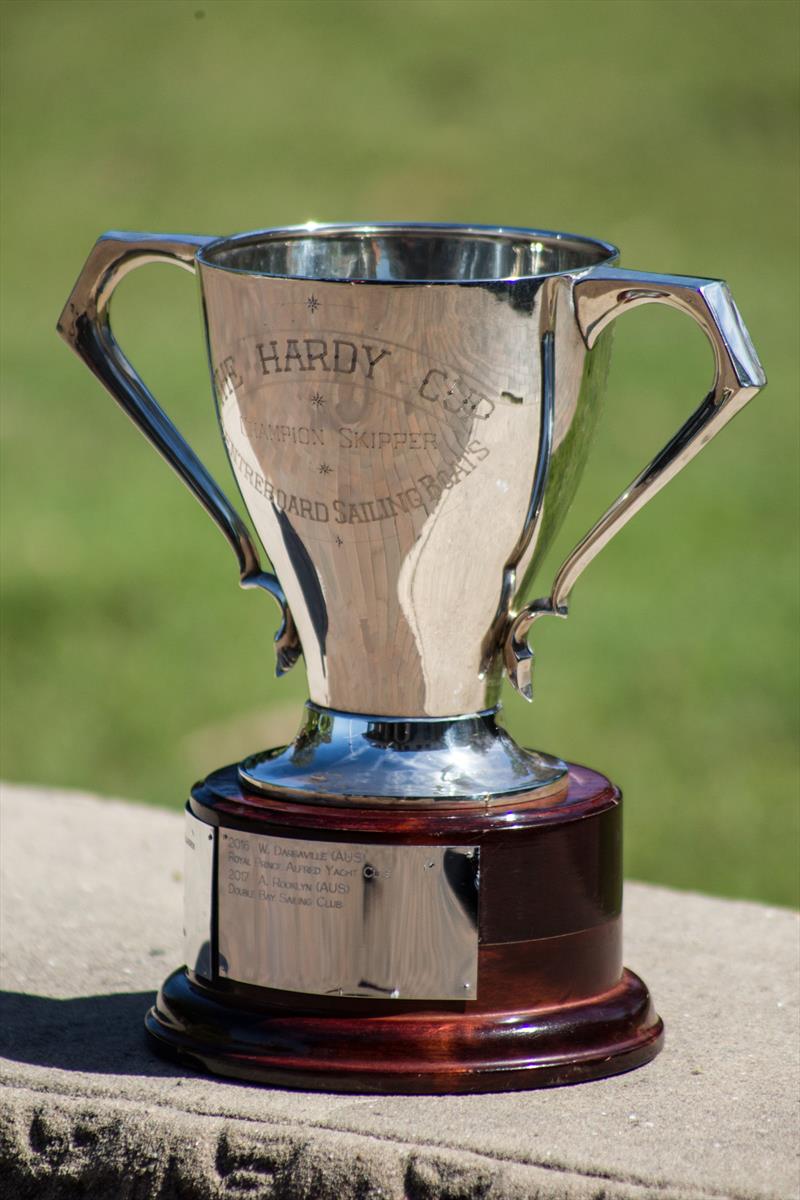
(553, 1006)
(412, 1052)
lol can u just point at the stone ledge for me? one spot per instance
(60, 1146)
(92, 921)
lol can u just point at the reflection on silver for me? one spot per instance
(599, 298)
(335, 918)
(390, 440)
(85, 325)
(407, 411)
(347, 759)
(198, 876)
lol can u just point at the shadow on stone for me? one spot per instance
(103, 1034)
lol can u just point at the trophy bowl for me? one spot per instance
(404, 899)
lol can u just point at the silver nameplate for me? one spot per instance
(344, 919)
(198, 886)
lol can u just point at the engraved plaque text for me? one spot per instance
(336, 918)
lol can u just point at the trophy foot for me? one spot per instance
(342, 758)
(376, 948)
(416, 1052)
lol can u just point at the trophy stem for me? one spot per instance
(343, 758)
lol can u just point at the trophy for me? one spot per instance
(404, 899)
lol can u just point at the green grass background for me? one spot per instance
(132, 663)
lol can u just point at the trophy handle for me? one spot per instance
(599, 297)
(85, 326)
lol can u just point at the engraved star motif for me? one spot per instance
(312, 303)
(317, 399)
(339, 541)
(324, 469)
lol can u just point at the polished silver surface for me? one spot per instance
(391, 415)
(407, 410)
(86, 326)
(343, 758)
(345, 919)
(599, 298)
(198, 887)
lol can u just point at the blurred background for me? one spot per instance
(132, 663)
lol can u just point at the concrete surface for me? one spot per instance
(91, 924)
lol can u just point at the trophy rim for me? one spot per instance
(608, 256)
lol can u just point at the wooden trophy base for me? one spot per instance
(553, 1003)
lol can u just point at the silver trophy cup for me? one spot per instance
(407, 410)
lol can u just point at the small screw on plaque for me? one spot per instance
(394, 994)
(466, 987)
(428, 865)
